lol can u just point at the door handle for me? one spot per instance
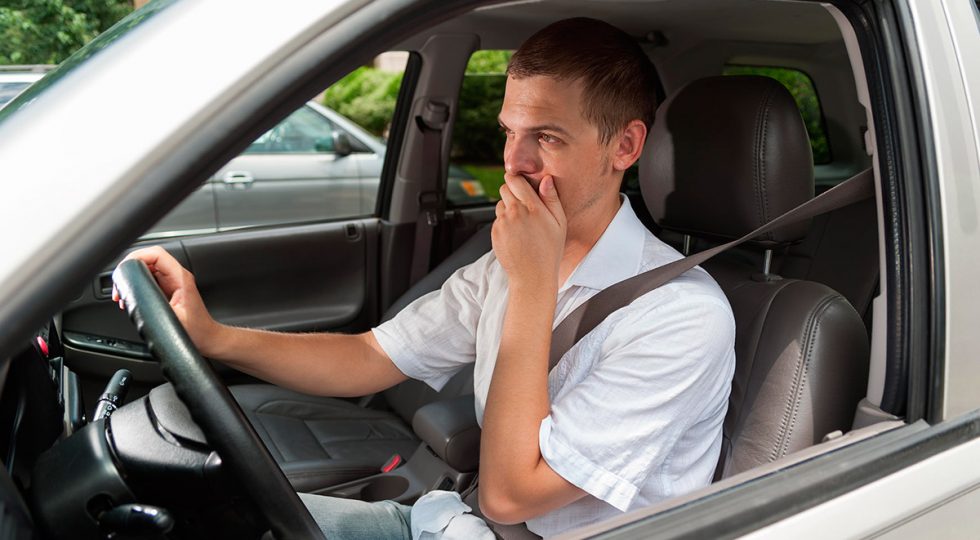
(240, 178)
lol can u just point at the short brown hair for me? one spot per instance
(619, 81)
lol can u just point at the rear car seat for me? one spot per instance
(321, 442)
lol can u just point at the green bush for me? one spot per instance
(48, 31)
(476, 136)
(367, 96)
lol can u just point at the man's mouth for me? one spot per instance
(534, 183)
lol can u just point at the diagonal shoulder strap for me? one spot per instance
(587, 316)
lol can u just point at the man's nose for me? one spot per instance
(521, 156)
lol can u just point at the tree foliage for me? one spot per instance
(367, 96)
(48, 31)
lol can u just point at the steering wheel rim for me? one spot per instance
(211, 405)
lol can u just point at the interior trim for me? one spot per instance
(396, 137)
(931, 381)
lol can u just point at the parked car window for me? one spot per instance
(304, 131)
(477, 144)
(321, 163)
(800, 85)
(9, 91)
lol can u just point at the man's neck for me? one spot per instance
(584, 230)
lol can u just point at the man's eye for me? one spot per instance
(545, 138)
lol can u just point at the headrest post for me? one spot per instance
(767, 262)
(687, 245)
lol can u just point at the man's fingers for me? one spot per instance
(157, 259)
(507, 196)
(549, 196)
(521, 189)
(164, 268)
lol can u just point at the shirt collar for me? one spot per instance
(617, 254)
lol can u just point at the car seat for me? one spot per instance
(320, 441)
(726, 155)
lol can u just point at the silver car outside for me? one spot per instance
(313, 166)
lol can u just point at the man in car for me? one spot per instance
(633, 412)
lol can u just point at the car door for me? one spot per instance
(291, 174)
(294, 246)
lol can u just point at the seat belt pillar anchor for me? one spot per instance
(430, 203)
(434, 115)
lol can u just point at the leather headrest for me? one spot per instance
(726, 155)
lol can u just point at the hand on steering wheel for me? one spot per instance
(211, 404)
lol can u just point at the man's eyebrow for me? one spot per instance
(543, 127)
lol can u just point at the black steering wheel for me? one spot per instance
(211, 405)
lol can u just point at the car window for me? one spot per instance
(10, 90)
(800, 85)
(323, 162)
(304, 131)
(476, 169)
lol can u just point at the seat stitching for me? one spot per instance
(756, 151)
(261, 408)
(759, 161)
(270, 441)
(317, 439)
(791, 413)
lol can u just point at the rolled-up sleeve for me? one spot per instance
(661, 371)
(435, 336)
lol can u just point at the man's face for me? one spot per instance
(548, 134)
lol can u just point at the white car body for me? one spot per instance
(907, 477)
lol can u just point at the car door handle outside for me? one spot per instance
(238, 178)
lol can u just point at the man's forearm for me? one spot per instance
(515, 482)
(518, 397)
(324, 364)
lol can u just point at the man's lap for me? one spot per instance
(355, 520)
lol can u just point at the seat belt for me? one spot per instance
(595, 310)
(432, 198)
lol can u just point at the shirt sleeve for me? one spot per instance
(435, 336)
(661, 370)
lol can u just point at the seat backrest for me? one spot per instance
(726, 155)
(406, 398)
(840, 251)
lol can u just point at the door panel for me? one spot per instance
(300, 278)
(304, 278)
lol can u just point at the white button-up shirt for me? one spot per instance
(636, 406)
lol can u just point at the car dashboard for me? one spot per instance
(40, 402)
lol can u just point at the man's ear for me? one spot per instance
(629, 146)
